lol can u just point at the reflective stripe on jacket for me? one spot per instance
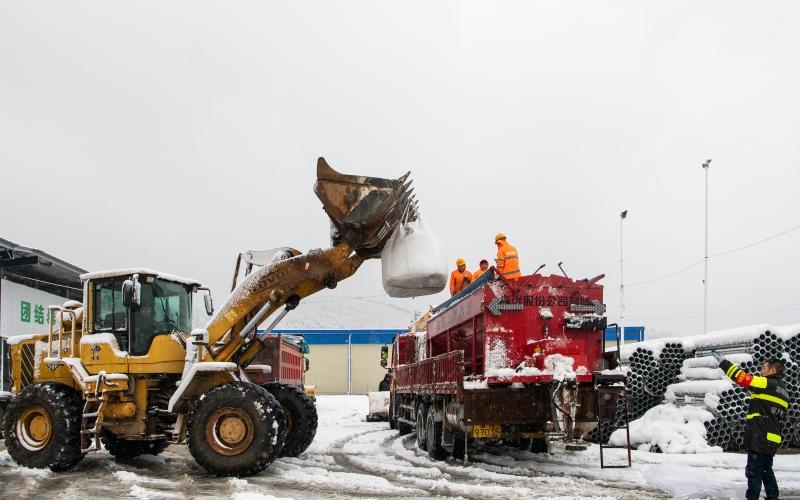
(769, 402)
(459, 280)
(507, 261)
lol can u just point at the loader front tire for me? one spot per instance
(42, 427)
(301, 417)
(125, 448)
(236, 429)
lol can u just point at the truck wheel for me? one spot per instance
(301, 417)
(433, 431)
(422, 415)
(402, 427)
(127, 448)
(42, 427)
(236, 429)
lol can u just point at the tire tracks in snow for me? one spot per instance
(401, 464)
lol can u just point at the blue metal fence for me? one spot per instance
(379, 336)
(630, 334)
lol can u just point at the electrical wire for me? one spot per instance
(743, 247)
(683, 269)
(720, 254)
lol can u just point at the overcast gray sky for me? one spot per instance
(174, 134)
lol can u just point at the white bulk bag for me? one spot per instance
(413, 261)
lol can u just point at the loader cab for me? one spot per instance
(138, 305)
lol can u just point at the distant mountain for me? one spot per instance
(347, 312)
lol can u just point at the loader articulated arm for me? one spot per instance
(364, 211)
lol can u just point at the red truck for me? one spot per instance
(511, 360)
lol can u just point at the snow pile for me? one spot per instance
(16, 339)
(700, 373)
(697, 387)
(497, 359)
(787, 332)
(710, 362)
(670, 429)
(475, 384)
(560, 367)
(421, 351)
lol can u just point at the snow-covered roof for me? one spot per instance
(111, 273)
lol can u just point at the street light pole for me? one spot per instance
(622, 216)
(705, 259)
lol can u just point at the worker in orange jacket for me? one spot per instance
(483, 267)
(460, 277)
(507, 261)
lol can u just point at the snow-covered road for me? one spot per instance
(354, 458)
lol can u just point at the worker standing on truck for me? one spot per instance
(769, 402)
(460, 277)
(507, 261)
(483, 266)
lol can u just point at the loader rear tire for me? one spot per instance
(301, 417)
(236, 429)
(42, 427)
(433, 433)
(127, 448)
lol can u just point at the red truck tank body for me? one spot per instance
(491, 355)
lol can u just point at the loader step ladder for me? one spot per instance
(91, 424)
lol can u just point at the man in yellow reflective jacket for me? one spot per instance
(769, 402)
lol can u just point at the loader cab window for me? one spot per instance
(165, 307)
(109, 313)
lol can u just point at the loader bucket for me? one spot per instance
(364, 211)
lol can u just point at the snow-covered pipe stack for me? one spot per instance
(682, 372)
(727, 401)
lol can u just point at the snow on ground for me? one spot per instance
(354, 458)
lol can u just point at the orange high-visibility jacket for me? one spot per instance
(459, 280)
(477, 274)
(507, 261)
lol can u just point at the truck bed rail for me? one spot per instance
(443, 374)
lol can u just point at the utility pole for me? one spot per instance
(622, 216)
(705, 259)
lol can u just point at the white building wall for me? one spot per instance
(23, 310)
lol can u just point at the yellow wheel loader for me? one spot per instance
(125, 369)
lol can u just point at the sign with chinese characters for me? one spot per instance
(24, 310)
(40, 313)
